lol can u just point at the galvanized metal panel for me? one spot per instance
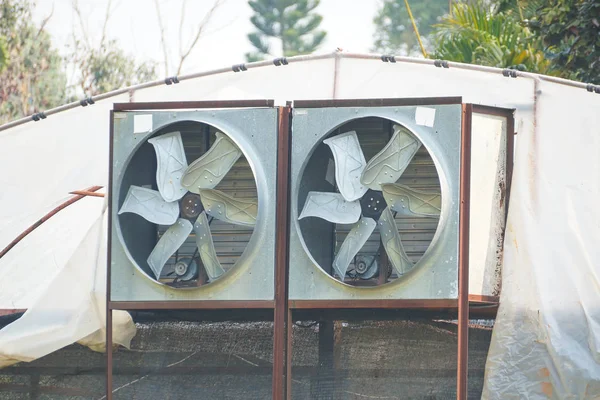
(249, 249)
(434, 167)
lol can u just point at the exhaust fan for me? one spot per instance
(375, 202)
(192, 205)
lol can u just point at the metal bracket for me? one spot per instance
(509, 73)
(239, 67)
(280, 61)
(87, 101)
(441, 64)
(38, 116)
(593, 88)
(171, 80)
(388, 58)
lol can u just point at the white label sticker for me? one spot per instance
(425, 116)
(142, 123)
(330, 174)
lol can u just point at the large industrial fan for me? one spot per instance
(184, 198)
(187, 195)
(369, 196)
(382, 228)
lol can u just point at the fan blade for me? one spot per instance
(331, 207)
(407, 201)
(389, 164)
(226, 208)
(392, 243)
(150, 205)
(207, 171)
(171, 163)
(168, 244)
(357, 237)
(206, 248)
(349, 164)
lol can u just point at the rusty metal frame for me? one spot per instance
(383, 102)
(283, 311)
(78, 195)
(282, 240)
(463, 254)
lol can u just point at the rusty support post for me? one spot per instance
(87, 193)
(281, 254)
(46, 218)
(109, 320)
(463, 254)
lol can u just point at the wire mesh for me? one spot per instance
(383, 359)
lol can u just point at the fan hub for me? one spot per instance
(372, 204)
(190, 206)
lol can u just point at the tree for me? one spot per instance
(394, 33)
(104, 67)
(570, 32)
(199, 30)
(33, 79)
(475, 34)
(293, 22)
(3, 53)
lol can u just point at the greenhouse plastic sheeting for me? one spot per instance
(546, 339)
(72, 309)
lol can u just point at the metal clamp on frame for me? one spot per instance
(38, 116)
(509, 73)
(441, 64)
(239, 67)
(388, 58)
(171, 80)
(87, 101)
(592, 88)
(280, 61)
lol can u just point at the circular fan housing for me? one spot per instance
(370, 202)
(187, 205)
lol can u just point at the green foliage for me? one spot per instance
(294, 22)
(3, 54)
(394, 33)
(474, 34)
(570, 31)
(107, 68)
(33, 79)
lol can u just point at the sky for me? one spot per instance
(134, 23)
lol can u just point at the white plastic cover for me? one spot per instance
(71, 309)
(546, 340)
(547, 336)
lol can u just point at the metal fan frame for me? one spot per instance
(436, 275)
(254, 130)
